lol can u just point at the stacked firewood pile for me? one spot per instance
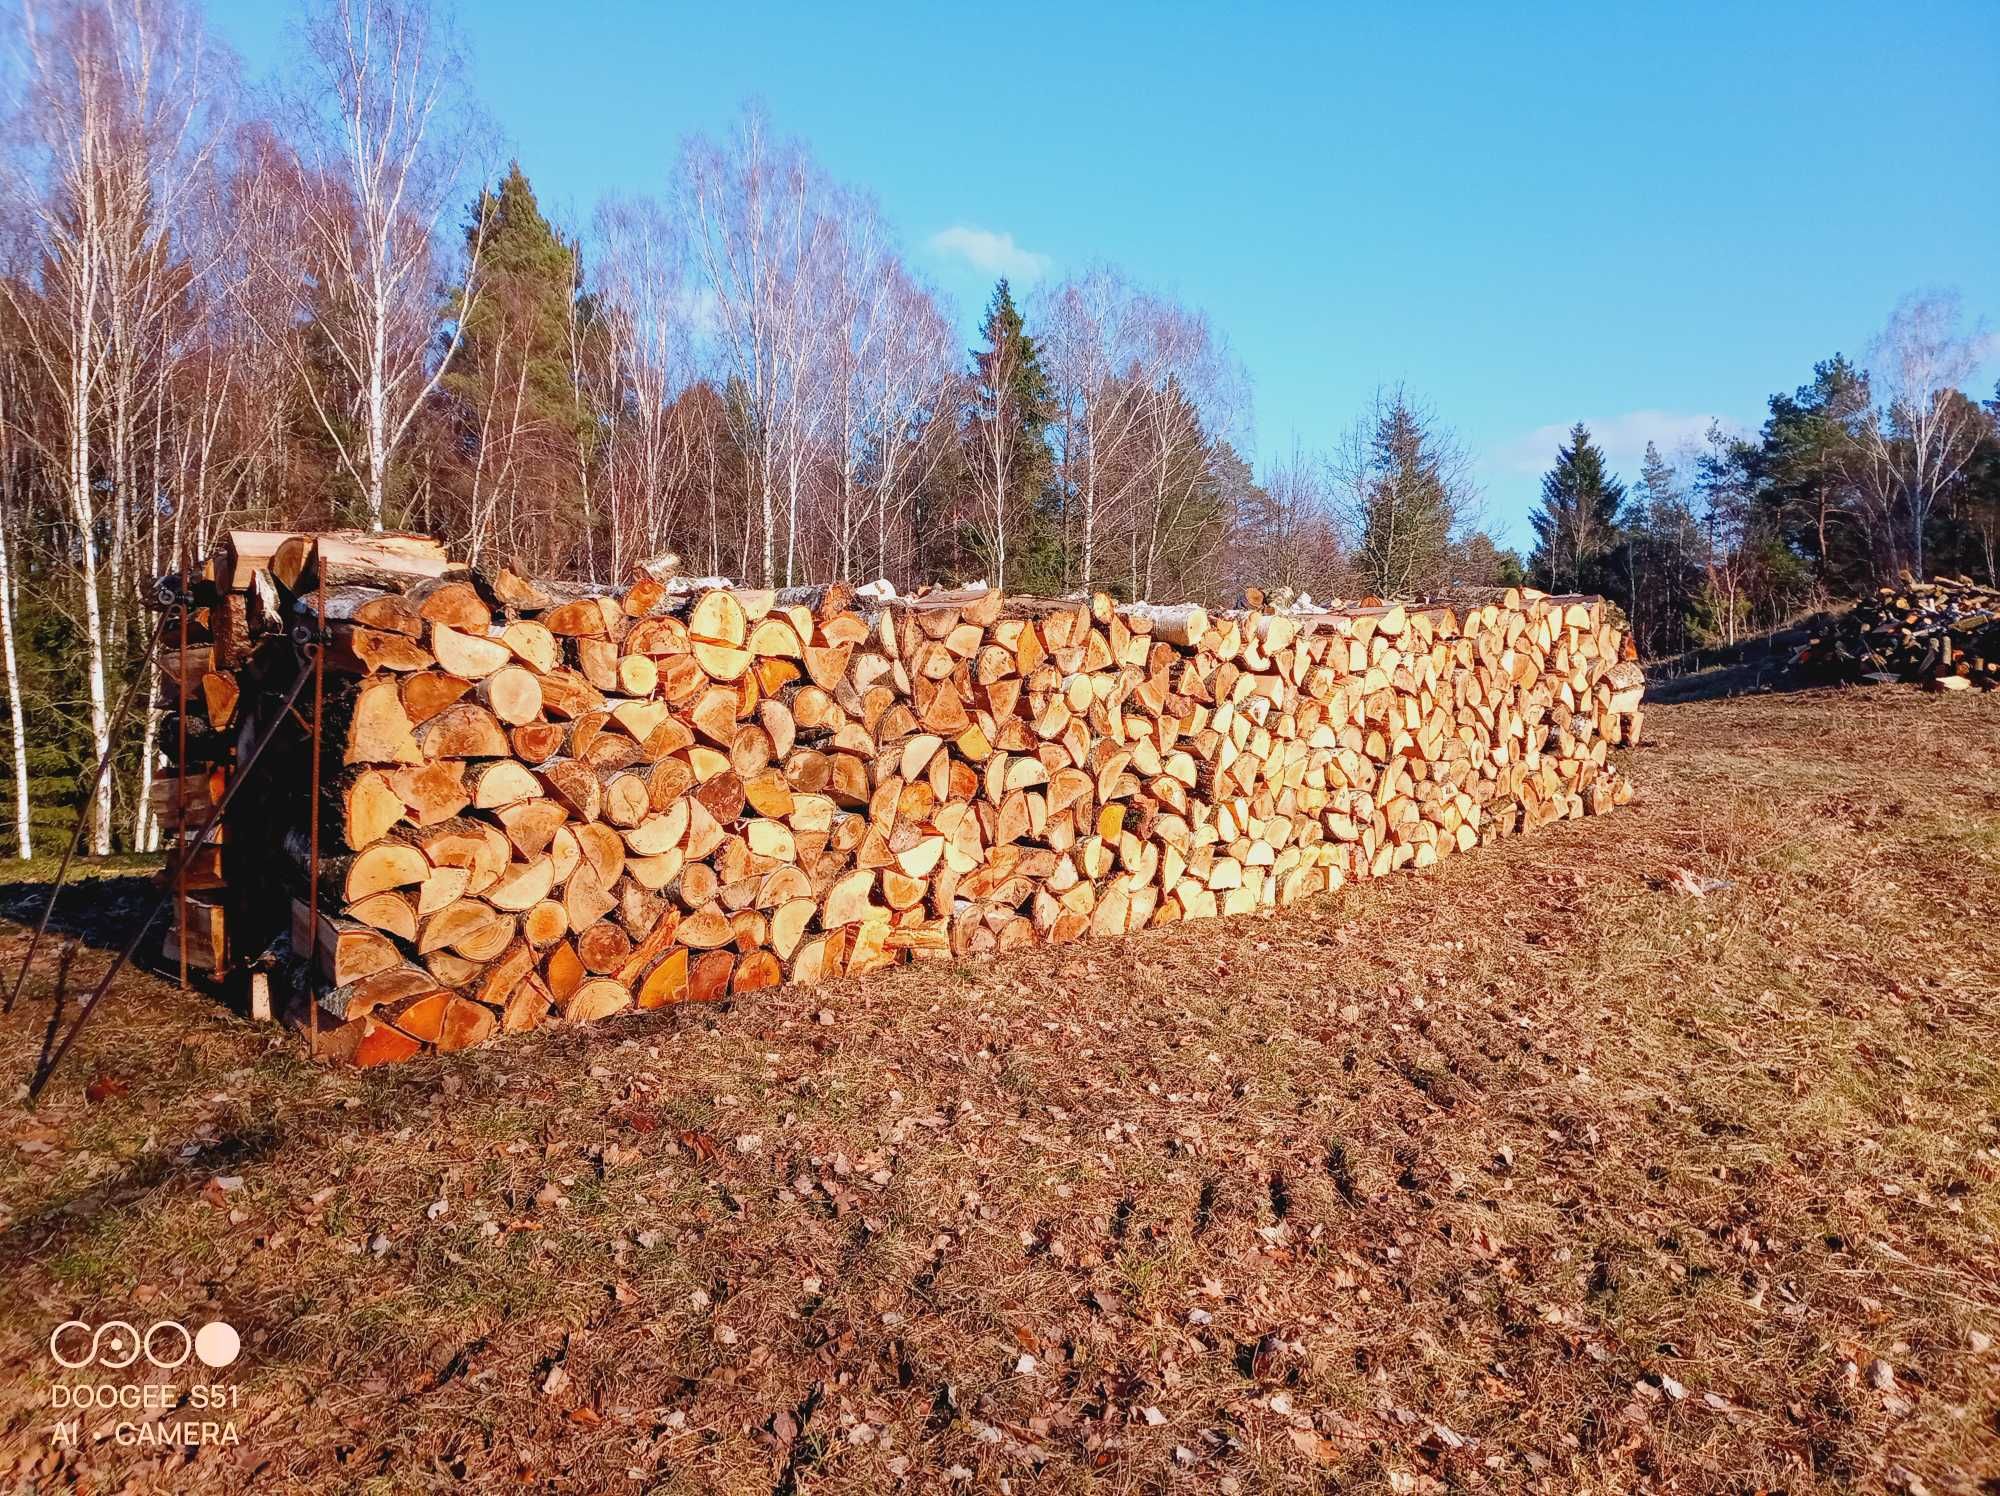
(542, 802)
(1944, 633)
(221, 670)
(197, 690)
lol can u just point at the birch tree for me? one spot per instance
(116, 126)
(911, 406)
(890, 355)
(1193, 397)
(643, 299)
(1102, 368)
(12, 503)
(1928, 431)
(382, 140)
(754, 214)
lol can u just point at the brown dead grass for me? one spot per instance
(1537, 1172)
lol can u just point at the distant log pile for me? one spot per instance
(1943, 633)
(543, 802)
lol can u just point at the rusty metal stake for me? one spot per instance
(45, 1071)
(180, 775)
(147, 664)
(312, 801)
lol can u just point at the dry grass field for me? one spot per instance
(1655, 1153)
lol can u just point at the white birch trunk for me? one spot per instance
(24, 833)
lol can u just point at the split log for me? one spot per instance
(671, 792)
(512, 694)
(356, 558)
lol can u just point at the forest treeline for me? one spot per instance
(329, 301)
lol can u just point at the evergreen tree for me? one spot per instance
(1577, 525)
(1811, 452)
(512, 383)
(1408, 504)
(1007, 450)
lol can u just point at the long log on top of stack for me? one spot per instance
(1944, 633)
(548, 802)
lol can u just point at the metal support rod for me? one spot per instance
(313, 794)
(48, 1069)
(146, 666)
(180, 777)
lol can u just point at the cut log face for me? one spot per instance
(708, 976)
(601, 799)
(451, 602)
(428, 692)
(599, 997)
(512, 693)
(667, 982)
(502, 783)
(465, 1024)
(467, 730)
(380, 731)
(523, 885)
(384, 865)
(544, 924)
(371, 808)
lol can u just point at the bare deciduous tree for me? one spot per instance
(756, 216)
(382, 141)
(11, 505)
(1102, 366)
(1928, 431)
(1288, 536)
(115, 131)
(648, 313)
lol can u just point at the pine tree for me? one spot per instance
(1810, 464)
(1007, 424)
(1578, 523)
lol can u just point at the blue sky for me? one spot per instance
(1636, 216)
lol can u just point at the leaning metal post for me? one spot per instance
(312, 800)
(44, 1072)
(146, 665)
(180, 770)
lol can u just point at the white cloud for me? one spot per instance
(995, 254)
(1622, 438)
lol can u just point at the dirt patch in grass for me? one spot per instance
(1539, 1172)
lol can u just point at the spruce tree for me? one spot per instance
(1408, 504)
(1578, 522)
(514, 369)
(1007, 450)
